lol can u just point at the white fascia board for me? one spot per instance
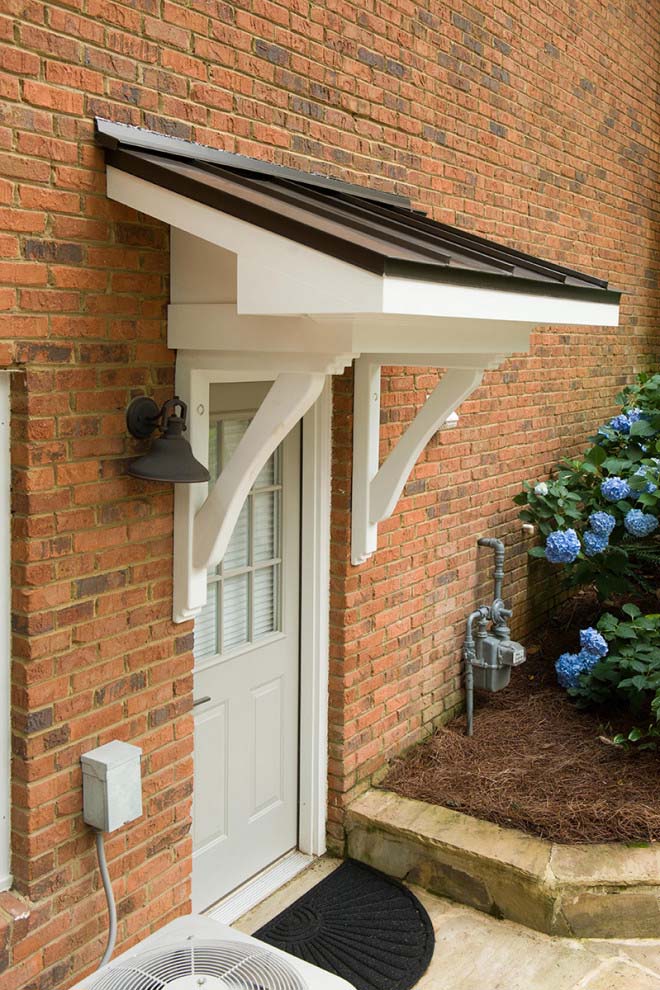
(276, 276)
(403, 296)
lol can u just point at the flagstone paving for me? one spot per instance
(477, 952)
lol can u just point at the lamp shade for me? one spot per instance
(170, 457)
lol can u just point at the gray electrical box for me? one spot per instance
(112, 785)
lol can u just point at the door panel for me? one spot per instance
(211, 801)
(266, 757)
(245, 807)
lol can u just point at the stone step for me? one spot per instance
(610, 890)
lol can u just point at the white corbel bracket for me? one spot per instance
(204, 523)
(286, 403)
(376, 490)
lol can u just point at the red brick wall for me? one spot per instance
(533, 123)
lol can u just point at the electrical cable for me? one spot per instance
(110, 897)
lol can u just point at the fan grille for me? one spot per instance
(240, 966)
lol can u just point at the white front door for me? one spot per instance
(245, 807)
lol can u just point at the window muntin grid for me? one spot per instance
(243, 604)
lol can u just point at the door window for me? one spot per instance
(243, 603)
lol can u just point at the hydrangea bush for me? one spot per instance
(618, 665)
(598, 517)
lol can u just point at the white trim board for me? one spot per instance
(5, 636)
(257, 889)
(314, 623)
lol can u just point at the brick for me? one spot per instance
(21, 62)
(55, 99)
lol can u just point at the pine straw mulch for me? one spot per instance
(535, 761)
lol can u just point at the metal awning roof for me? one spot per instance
(373, 231)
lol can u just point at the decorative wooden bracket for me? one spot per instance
(376, 490)
(286, 403)
(204, 525)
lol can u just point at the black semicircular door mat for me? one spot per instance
(359, 924)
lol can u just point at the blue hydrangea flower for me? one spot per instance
(541, 488)
(594, 543)
(562, 546)
(621, 423)
(640, 523)
(568, 670)
(602, 523)
(571, 666)
(614, 489)
(593, 642)
(587, 660)
(625, 420)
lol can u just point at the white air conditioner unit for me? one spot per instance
(197, 953)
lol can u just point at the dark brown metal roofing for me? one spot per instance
(375, 231)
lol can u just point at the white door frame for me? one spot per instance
(314, 578)
(314, 624)
(5, 639)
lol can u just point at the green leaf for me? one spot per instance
(626, 631)
(642, 428)
(596, 455)
(632, 610)
(613, 465)
(537, 552)
(608, 623)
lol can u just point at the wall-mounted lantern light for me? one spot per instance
(170, 457)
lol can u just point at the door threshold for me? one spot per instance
(259, 887)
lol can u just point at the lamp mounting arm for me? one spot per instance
(142, 417)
